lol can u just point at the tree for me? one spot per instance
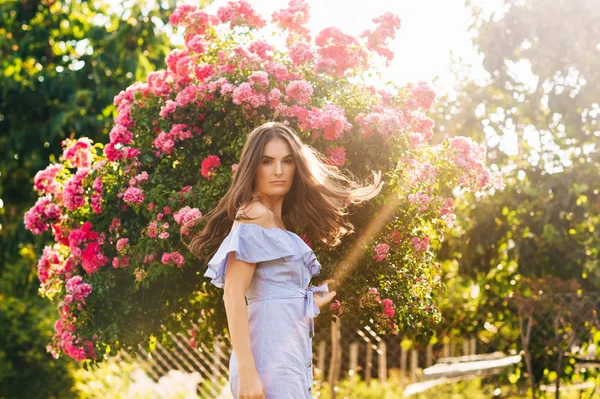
(548, 212)
(543, 226)
(61, 65)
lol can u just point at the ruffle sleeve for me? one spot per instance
(251, 243)
(312, 263)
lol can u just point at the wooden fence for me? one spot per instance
(337, 352)
(340, 351)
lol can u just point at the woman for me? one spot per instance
(280, 183)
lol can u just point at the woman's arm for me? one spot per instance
(237, 279)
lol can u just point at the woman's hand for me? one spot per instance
(322, 299)
(251, 386)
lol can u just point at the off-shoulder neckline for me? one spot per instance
(268, 228)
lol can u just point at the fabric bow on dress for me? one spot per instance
(312, 310)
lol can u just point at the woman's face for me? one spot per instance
(276, 169)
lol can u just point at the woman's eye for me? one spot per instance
(287, 161)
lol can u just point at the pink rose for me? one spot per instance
(121, 243)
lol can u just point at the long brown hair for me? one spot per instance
(315, 204)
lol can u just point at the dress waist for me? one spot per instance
(311, 309)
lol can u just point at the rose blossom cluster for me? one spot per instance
(420, 199)
(159, 229)
(420, 244)
(409, 121)
(78, 154)
(45, 180)
(383, 311)
(73, 195)
(165, 142)
(185, 217)
(173, 258)
(337, 156)
(387, 25)
(65, 338)
(470, 158)
(387, 122)
(86, 246)
(53, 263)
(339, 52)
(294, 19)
(120, 135)
(42, 214)
(336, 308)
(301, 53)
(381, 252)
(240, 13)
(134, 194)
(209, 166)
(447, 212)
(97, 195)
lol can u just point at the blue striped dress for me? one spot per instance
(281, 308)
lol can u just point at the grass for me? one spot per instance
(476, 388)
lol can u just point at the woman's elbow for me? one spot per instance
(232, 294)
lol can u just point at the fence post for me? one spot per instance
(447, 349)
(466, 347)
(369, 362)
(353, 358)
(353, 363)
(332, 359)
(336, 352)
(428, 355)
(403, 361)
(473, 345)
(217, 359)
(338, 361)
(414, 363)
(382, 353)
(321, 361)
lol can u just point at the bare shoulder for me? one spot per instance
(258, 214)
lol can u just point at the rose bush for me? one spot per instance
(118, 269)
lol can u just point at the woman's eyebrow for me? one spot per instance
(266, 156)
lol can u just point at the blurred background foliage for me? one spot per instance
(537, 109)
(539, 121)
(61, 64)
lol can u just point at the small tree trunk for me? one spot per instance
(561, 354)
(525, 336)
